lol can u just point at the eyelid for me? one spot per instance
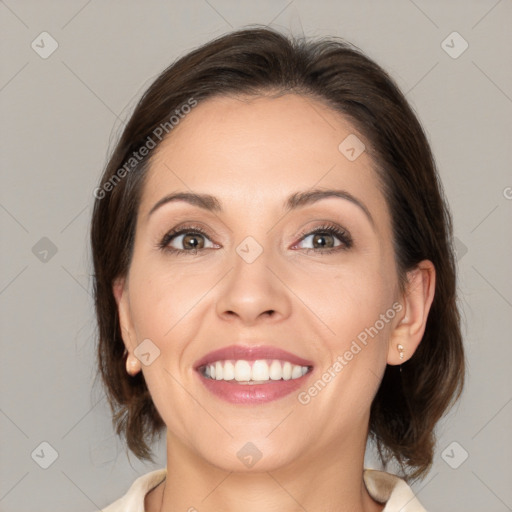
(181, 229)
(329, 227)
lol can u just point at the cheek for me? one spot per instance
(348, 304)
(161, 298)
(162, 306)
(346, 299)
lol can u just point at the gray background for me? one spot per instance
(60, 118)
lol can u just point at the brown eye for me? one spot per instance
(193, 241)
(325, 239)
(189, 241)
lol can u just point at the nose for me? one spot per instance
(253, 292)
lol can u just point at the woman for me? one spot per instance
(275, 282)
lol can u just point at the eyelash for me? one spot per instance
(330, 229)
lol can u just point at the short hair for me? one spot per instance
(256, 61)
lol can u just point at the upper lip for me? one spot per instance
(250, 353)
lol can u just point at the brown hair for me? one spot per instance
(257, 61)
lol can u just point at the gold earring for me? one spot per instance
(400, 349)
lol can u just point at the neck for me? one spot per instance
(332, 482)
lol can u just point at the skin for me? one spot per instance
(252, 153)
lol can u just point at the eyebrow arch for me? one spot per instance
(294, 201)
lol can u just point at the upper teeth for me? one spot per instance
(261, 370)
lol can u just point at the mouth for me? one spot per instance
(252, 375)
(253, 372)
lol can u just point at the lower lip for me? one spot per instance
(252, 394)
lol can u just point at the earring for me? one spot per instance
(400, 350)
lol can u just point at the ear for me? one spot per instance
(120, 291)
(416, 300)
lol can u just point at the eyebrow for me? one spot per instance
(294, 201)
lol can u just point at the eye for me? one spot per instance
(193, 239)
(185, 239)
(326, 239)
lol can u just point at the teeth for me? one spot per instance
(276, 370)
(296, 372)
(287, 370)
(242, 370)
(219, 370)
(229, 371)
(258, 371)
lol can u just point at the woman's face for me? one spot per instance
(268, 271)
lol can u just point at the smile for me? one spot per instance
(252, 374)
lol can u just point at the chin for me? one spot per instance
(258, 455)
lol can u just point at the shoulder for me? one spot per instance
(391, 490)
(133, 500)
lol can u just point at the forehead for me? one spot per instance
(258, 150)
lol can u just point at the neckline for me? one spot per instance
(385, 488)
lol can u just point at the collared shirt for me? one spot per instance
(383, 487)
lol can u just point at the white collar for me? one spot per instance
(382, 487)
